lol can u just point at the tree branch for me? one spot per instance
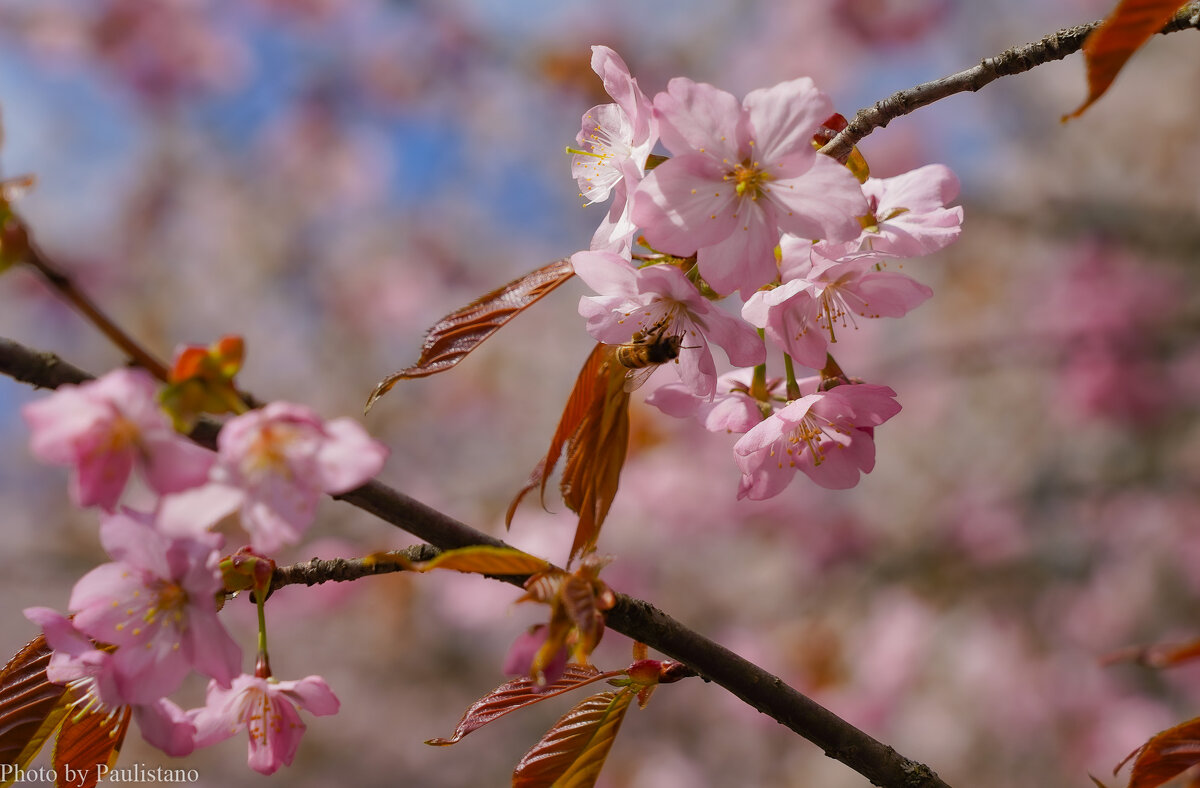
(1018, 60)
(635, 618)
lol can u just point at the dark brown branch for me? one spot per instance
(1056, 46)
(341, 570)
(640, 620)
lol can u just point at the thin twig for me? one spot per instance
(638, 619)
(1017, 60)
(66, 287)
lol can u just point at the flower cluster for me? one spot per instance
(745, 204)
(142, 622)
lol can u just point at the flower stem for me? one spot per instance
(793, 388)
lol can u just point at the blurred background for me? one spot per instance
(327, 178)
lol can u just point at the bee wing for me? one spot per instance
(634, 378)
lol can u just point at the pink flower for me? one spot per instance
(105, 428)
(802, 315)
(89, 672)
(614, 143)
(661, 298)
(156, 602)
(274, 465)
(827, 435)
(908, 213)
(267, 708)
(741, 175)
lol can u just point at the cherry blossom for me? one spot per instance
(89, 673)
(267, 709)
(827, 434)
(156, 603)
(741, 175)
(802, 315)
(615, 141)
(908, 214)
(105, 428)
(660, 298)
(273, 466)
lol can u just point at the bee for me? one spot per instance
(645, 351)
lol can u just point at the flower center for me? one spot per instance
(268, 452)
(170, 601)
(749, 179)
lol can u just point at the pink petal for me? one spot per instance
(824, 202)
(349, 457)
(784, 118)
(312, 694)
(173, 463)
(194, 511)
(745, 259)
(684, 204)
(699, 117)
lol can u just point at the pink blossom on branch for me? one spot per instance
(90, 674)
(273, 465)
(104, 429)
(908, 214)
(156, 602)
(742, 174)
(803, 315)
(615, 141)
(829, 435)
(267, 709)
(662, 298)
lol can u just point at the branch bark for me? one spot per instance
(638, 619)
(1017, 60)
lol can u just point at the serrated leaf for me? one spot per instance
(574, 750)
(1122, 33)
(517, 694)
(88, 740)
(31, 707)
(486, 560)
(458, 333)
(594, 430)
(1165, 756)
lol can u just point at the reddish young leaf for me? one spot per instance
(1165, 756)
(461, 331)
(88, 740)
(574, 750)
(594, 429)
(517, 694)
(200, 380)
(1107, 48)
(486, 560)
(30, 706)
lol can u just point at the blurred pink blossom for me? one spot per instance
(273, 466)
(105, 428)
